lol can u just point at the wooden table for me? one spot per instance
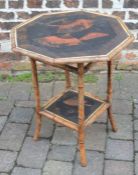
(73, 41)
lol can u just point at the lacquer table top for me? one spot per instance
(71, 37)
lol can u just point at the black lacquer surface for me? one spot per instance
(71, 35)
(67, 106)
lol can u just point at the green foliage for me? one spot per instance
(90, 78)
(45, 77)
(119, 77)
(60, 76)
(27, 77)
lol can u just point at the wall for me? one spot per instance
(13, 12)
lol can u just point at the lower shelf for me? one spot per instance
(64, 109)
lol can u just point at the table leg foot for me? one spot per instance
(37, 128)
(83, 159)
(111, 119)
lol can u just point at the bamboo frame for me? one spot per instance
(79, 70)
(109, 95)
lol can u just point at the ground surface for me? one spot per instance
(108, 153)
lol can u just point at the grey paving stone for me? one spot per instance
(122, 94)
(118, 167)
(136, 145)
(95, 164)
(102, 118)
(119, 150)
(46, 129)
(53, 167)
(25, 171)
(5, 107)
(33, 153)
(125, 127)
(7, 160)
(136, 125)
(136, 164)
(3, 120)
(136, 111)
(64, 136)
(59, 86)
(136, 135)
(95, 137)
(3, 174)
(20, 91)
(102, 83)
(62, 153)
(4, 89)
(12, 136)
(124, 83)
(27, 104)
(45, 91)
(122, 107)
(21, 115)
(91, 88)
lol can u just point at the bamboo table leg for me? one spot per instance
(81, 133)
(37, 97)
(68, 79)
(109, 95)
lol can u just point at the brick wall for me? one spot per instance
(13, 12)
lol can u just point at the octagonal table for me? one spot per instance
(73, 41)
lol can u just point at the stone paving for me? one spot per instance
(56, 151)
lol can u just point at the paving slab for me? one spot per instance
(62, 153)
(136, 164)
(136, 111)
(33, 153)
(26, 104)
(25, 171)
(125, 127)
(3, 120)
(46, 129)
(136, 135)
(12, 136)
(4, 89)
(122, 94)
(136, 145)
(94, 167)
(118, 167)
(136, 125)
(59, 87)
(102, 118)
(16, 105)
(95, 137)
(20, 91)
(122, 107)
(53, 167)
(21, 115)
(64, 136)
(5, 107)
(119, 150)
(91, 87)
(46, 91)
(7, 160)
